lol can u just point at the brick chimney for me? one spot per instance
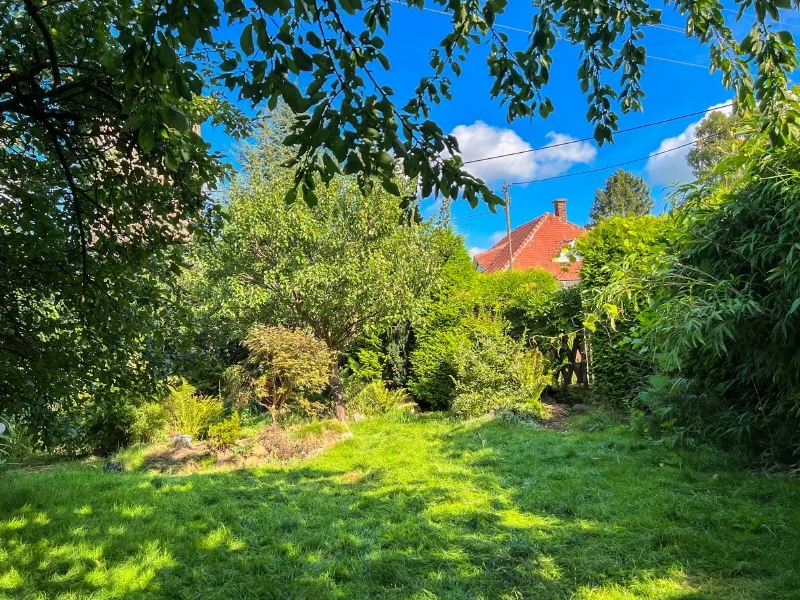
(560, 208)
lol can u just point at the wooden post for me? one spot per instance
(507, 198)
(586, 359)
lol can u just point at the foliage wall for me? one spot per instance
(724, 320)
(618, 244)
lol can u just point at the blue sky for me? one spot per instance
(479, 122)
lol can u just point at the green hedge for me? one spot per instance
(619, 369)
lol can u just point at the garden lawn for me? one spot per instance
(427, 509)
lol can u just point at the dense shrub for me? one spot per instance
(149, 423)
(721, 317)
(434, 366)
(224, 433)
(730, 327)
(284, 363)
(620, 369)
(18, 441)
(237, 388)
(365, 364)
(5, 434)
(104, 428)
(190, 414)
(494, 371)
(524, 300)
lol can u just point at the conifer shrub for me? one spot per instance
(494, 371)
(616, 244)
(523, 302)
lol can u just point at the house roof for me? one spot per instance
(536, 244)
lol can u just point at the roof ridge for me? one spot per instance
(529, 222)
(507, 239)
(541, 218)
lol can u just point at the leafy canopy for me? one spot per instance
(716, 137)
(101, 179)
(344, 268)
(128, 67)
(623, 194)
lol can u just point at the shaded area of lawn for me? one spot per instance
(418, 510)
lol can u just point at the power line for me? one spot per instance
(588, 139)
(668, 27)
(678, 62)
(663, 26)
(622, 164)
(750, 14)
(589, 171)
(441, 12)
(473, 216)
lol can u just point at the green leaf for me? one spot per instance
(166, 56)
(390, 186)
(181, 87)
(385, 159)
(310, 197)
(351, 6)
(330, 165)
(293, 98)
(146, 139)
(302, 59)
(246, 41)
(176, 119)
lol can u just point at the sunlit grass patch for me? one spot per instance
(426, 509)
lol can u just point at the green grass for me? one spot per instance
(427, 509)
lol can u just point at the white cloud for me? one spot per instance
(473, 250)
(496, 237)
(480, 140)
(672, 167)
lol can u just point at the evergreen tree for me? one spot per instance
(624, 194)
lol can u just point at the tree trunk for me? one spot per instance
(336, 391)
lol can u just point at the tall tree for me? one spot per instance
(716, 139)
(101, 183)
(624, 194)
(343, 268)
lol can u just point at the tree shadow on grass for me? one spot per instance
(622, 518)
(294, 533)
(493, 512)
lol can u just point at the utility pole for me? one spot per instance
(507, 198)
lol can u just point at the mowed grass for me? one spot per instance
(428, 509)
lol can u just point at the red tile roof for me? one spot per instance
(536, 244)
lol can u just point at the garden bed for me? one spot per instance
(271, 444)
